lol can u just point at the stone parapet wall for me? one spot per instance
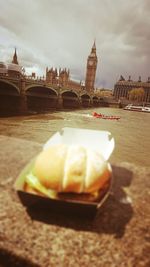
(118, 236)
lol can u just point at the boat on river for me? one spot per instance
(105, 117)
(131, 107)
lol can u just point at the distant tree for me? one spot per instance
(103, 92)
(136, 94)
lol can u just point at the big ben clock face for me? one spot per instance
(90, 62)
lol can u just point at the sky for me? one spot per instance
(60, 34)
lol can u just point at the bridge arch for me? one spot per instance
(41, 97)
(29, 87)
(7, 87)
(85, 100)
(95, 101)
(9, 98)
(70, 99)
(69, 90)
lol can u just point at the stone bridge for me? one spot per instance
(23, 94)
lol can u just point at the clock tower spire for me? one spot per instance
(91, 69)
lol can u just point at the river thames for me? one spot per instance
(131, 132)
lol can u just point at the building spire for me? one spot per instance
(93, 50)
(15, 60)
(94, 45)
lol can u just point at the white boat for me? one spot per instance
(137, 108)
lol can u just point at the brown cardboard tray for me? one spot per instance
(61, 204)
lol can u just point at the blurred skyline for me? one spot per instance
(60, 34)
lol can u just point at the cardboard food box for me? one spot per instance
(101, 141)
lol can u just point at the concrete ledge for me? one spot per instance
(118, 236)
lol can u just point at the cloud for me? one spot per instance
(60, 33)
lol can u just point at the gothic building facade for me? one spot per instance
(58, 77)
(61, 78)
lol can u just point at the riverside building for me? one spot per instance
(123, 87)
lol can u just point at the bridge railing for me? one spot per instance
(8, 77)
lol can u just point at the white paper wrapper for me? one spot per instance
(101, 141)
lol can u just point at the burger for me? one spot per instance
(69, 172)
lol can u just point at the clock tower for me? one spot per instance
(91, 69)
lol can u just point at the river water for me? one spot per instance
(131, 132)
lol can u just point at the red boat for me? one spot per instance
(105, 117)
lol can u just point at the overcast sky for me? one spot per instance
(60, 33)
